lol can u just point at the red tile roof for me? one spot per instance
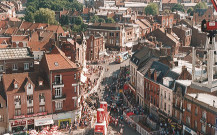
(57, 60)
(25, 25)
(85, 10)
(11, 30)
(19, 38)
(39, 46)
(22, 79)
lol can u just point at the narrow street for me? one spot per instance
(113, 71)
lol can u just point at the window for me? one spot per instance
(75, 76)
(196, 110)
(165, 94)
(17, 112)
(165, 106)
(1, 118)
(29, 85)
(168, 109)
(176, 102)
(111, 34)
(169, 96)
(175, 113)
(30, 99)
(17, 99)
(75, 90)
(116, 34)
(203, 128)
(58, 92)
(26, 66)
(14, 67)
(15, 86)
(31, 64)
(75, 103)
(42, 108)
(195, 124)
(59, 105)
(188, 120)
(188, 107)
(58, 79)
(1, 105)
(204, 115)
(181, 105)
(41, 97)
(1, 68)
(30, 110)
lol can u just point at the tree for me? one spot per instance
(190, 11)
(45, 15)
(151, 9)
(178, 7)
(101, 20)
(94, 19)
(109, 20)
(200, 5)
(78, 20)
(29, 17)
(31, 9)
(64, 20)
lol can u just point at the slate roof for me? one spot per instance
(174, 76)
(160, 69)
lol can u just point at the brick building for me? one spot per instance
(168, 38)
(16, 60)
(184, 33)
(28, 101)
(112, 33)
(165, 20)
(200, 114)
(3, 111)
(180, 89)
(64, 77)
(152, 81)
(201, 14)
(95, 45)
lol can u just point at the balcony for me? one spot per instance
(41, 101)
(58, 84)
(17, 105)
(29, 103)
(59, 97)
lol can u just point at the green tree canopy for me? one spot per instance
(109, 20)
(45, 15)
(101, 20)
(94, 19)
(201, 5)
(178, 7)
(29, 17)
(190, 11)
(151, 9)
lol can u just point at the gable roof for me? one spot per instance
(22, 79)
(57, 60)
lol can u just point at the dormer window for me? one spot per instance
(29, 85)
(40, 83)
(15, 86)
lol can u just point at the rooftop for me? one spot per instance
(15, 53)
(206, 98)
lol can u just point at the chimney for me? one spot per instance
(155, 76)
(149, 73)
(213, 102)
(165, 31)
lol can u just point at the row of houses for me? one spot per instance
(162, 85)
(34, 95)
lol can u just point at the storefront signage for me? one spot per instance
(30, 122)
(16, 123)
(32, 115)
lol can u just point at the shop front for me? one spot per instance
(43, 121)
(62, 119)
(18, 125)
(188, 131)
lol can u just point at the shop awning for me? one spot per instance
(43, 122)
